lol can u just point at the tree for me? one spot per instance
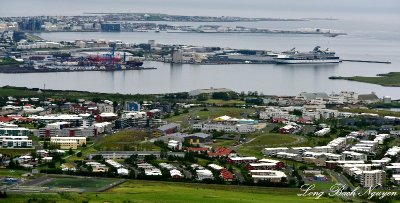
(149, 158)
(164, 153)
(202, 97)
(34, 155)
(176, 113)
(51, 164)
(79, 154)
(132, 159)
(221, 95)
(297, 112)
(70, 152)
(98, 157)
(45, 145)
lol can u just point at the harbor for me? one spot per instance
(194, 67)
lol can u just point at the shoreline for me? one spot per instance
(16, 70)
(391, 79)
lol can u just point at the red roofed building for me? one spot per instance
(278, 120)
(226, 175)
(221, 152)
(199, 150)
(5, 119)
(23, 119)
(304, 121)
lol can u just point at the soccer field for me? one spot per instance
(91, 184)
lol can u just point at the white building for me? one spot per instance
(173, 144)
(103, 127)
(239, 128)
(323, 149)
(204, 174)
(393, 151)
(267, 175)
(15, 142)
(68, 142)
(105, 108)
(373, 178)
(338, 143)
(300, 150)
(323, 132)
(274, 151)
(350, 155)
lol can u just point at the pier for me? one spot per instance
(367, 61)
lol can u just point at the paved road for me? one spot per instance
(298, 141)
(66, 157)
(238, 175)
(185, 172)
(341, 178)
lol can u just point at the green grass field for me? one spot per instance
(15, 152)
(263, 140)
(4, 172)
(223, 102)
(84, 183)
(222, 143)
(375, 111)
(149, 191)
(126, 141)
(213, 112)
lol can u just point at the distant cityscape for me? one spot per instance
(143, 23)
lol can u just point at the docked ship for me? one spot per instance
(316, 56)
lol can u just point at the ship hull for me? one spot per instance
(313, 61)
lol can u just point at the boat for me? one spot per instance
(316, 56)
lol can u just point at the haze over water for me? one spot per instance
(373, 29)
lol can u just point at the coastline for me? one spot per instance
(15, 69)
(391, 79)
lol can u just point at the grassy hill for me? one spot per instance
(126, 140)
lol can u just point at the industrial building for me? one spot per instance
(111, 27)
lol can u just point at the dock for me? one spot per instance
(366, 61)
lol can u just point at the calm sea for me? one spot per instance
(373, 34)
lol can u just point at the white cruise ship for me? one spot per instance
(315, 56)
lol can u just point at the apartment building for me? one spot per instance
(267, 175)
(373, 178)
(68, 142)
(12, 131)
(15, 142)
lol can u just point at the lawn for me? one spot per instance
(82, 183)
(223, 102)
(323, 186)
(149, 191)
(223, 143)
(374, 111)
(27, 125)
(12, 173)
(211, 113)
(13, 152)
(265, 139)
(127, 140)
